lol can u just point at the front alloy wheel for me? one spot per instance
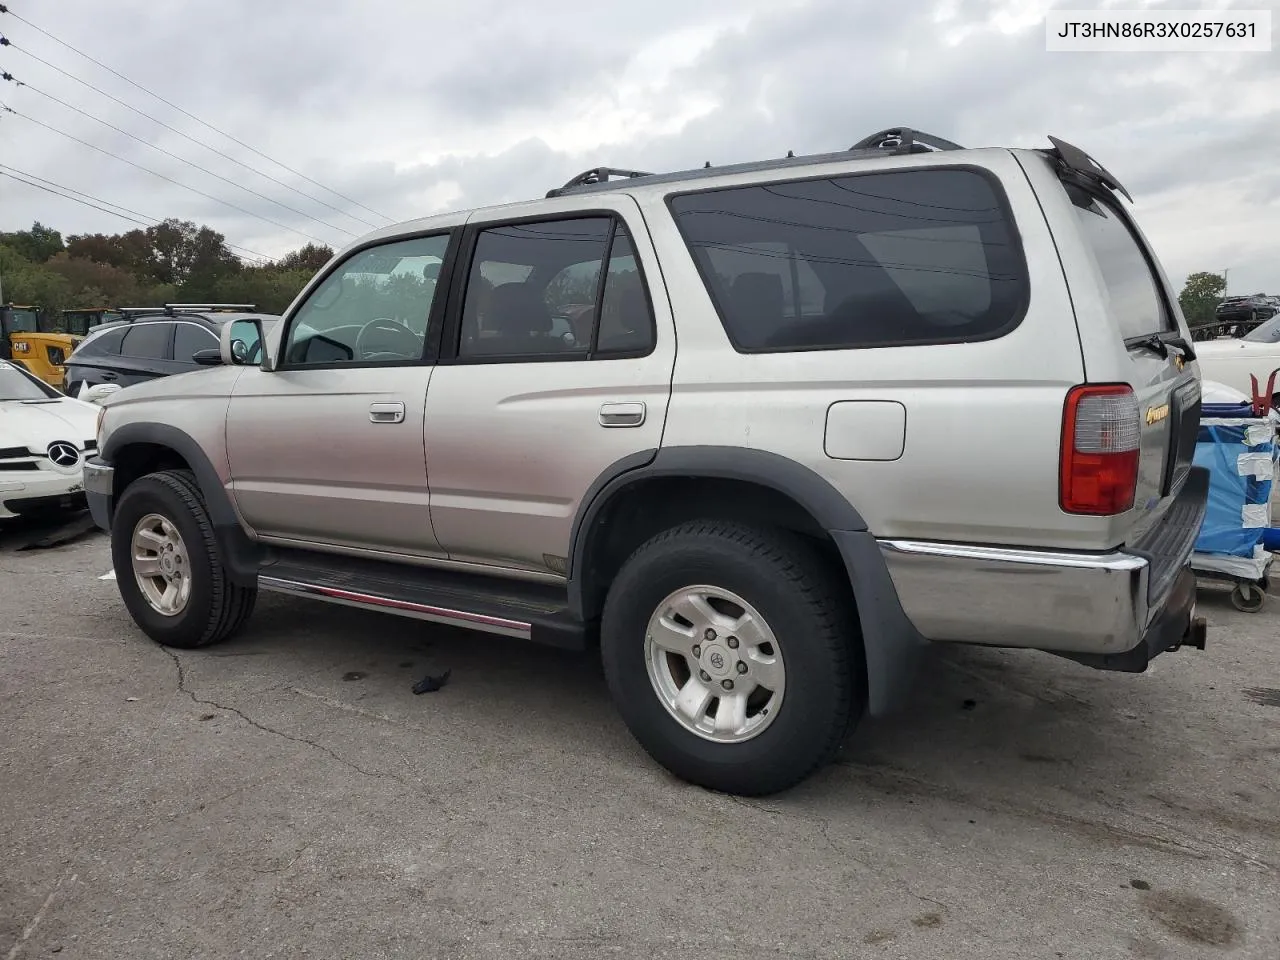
(161, 565)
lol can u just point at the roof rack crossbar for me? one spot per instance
(903, 140)
(211, 306)
(597, 175)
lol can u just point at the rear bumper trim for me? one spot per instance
(1046, 600)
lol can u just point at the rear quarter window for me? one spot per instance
(104, 344)
(864, 260)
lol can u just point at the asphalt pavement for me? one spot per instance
(286, 794)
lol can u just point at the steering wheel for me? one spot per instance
(390, 348)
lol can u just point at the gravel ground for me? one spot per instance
(286, 795)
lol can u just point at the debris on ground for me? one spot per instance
(430, 683)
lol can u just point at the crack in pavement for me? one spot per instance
(183, 688)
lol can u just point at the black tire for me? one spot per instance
(1248, 597)
(792, 588)
(216, 608)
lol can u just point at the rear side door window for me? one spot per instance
(555, 290)
(148, 342)
(864, 260)
(188, 338)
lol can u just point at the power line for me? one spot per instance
(168, 152)
(143, 223)
(207, 196)
(185, 136)
(92, 201)
(10, 77)
(170, 103)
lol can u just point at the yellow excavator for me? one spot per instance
(43, 355)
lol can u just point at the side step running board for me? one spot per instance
(526, 611)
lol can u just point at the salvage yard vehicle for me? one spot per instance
(1233, 361)
(821, 411)
(152, 342)
(44, 438)
(41, 354)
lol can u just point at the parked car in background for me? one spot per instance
(151, 343)
(44, 438)
(1231, 361)
(1248, 309)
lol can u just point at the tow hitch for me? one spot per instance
(1197, 632)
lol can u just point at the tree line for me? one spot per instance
(172, 262)
(179, 262)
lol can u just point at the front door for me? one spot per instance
(555, 364)
(327, 449)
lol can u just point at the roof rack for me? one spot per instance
(894, 141)
(169, 309)
(597, 175)
(213, 307)
(902, 140)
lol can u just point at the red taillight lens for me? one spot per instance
(1100, 438)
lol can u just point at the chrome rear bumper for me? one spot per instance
(1056, 600)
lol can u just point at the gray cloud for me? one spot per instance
(403, 105)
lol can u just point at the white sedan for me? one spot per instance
(44, 438)
(1231, 361)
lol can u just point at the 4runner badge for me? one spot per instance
(1156, 414)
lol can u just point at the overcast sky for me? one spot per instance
(416, 106)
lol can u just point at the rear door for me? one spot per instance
(146, 352)
(556, 364)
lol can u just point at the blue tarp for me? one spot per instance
(1240, 453)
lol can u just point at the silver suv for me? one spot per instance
(759, 432)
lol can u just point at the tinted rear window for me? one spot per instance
(1128, 285)
(909, 257)
(105, 344)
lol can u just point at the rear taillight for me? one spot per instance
(1100, 436)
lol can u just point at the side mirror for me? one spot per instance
(242, 343)
(99, 392)
(210, 357)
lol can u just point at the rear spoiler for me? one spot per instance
(1078, 164)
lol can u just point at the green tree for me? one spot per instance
(37, 244)
(1200, 296)
(310, 258)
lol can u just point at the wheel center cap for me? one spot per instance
(717, 661)
(166, 563)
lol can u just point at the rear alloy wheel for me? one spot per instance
(732, 654)
(715, 664)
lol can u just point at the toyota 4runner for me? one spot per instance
(759, 432)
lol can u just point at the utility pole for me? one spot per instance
(1225, 272)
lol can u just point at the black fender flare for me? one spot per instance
(824, 503)
(241, 556)
(891, 644)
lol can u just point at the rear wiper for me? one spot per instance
(1160, 345)
(1153, 343)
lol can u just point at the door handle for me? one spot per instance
(386, 412)
(622, 414)
(108, 375)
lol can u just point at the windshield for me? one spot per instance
(1268, 332)
(18, 385)
(23, 321)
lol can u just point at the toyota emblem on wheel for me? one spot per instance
(63, 454)
(717, 659)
